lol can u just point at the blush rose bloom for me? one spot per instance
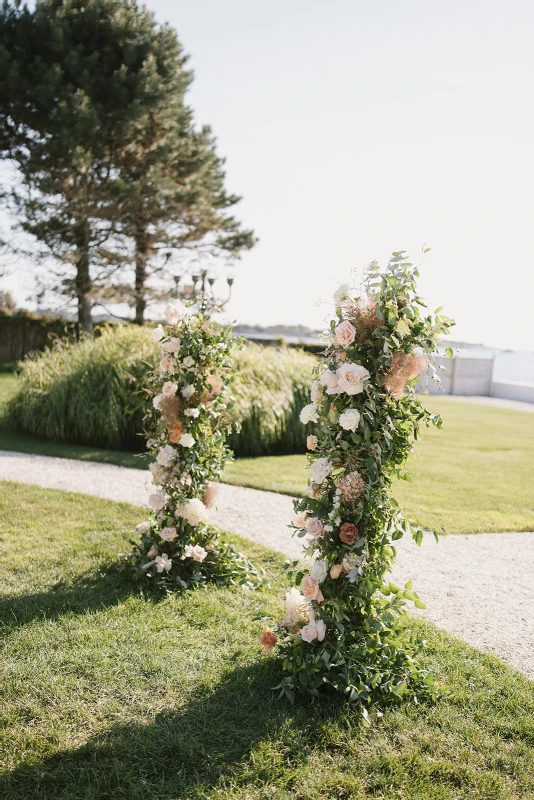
(352, 378)
(268, 640)
(349, 419)
(311, 442)
(315, 527)
(313, 630)
(188, 362)
(330, 380)
(154, 550)
(173, 345)
(311, 589)
(168, 534)
(167, 364)
(157, 500)
(163, 562)
(348, 533)
(196, 552)
(344, 334)
(168, 389)
(299, 520)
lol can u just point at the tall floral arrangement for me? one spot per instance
(346, 627)
(179, 547)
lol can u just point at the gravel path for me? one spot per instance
(478, 587)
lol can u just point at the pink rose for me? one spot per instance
(169, 389)
(168, 534)
(344, 334)
(313, 630)
(330, 380)
(268, 640)
(152, 553)
(198, 553)
(348, 533)
(315, 527)
(311, 590)
(351, 378)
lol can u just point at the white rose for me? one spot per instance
(166, 455)
(163, 562)
(192, 412)
(316, 392)
(330, 380)
(188, 391)
(341, 294)
(174, 312)
(194, 512)
(309, 414)
(344, 334)
(349, 419)
(320, 470)
(159, 474)
(143, 527)
(158, 333)
(352, 378)
(173, 345)
(198, 553)
(186, 440)
(157, 500)
(313, 630)
(188, 362)
(169, 389)
(319, 571)
(156, 402)
(168, 534)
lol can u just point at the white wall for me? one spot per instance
(513, 391)
(464, 376)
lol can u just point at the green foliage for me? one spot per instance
(107, 693)
(93, 393)
(357, 640)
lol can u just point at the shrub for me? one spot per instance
(93, 392)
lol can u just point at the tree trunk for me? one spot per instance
(142, 247)
(83, 279)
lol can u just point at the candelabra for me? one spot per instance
(197, 282)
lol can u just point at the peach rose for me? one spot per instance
(344, 334)
(348, 533)
(299, 520)
(176, 433)
(335, 571)
(268, 640)
(311, 590)
(311, 442)
(313, 630)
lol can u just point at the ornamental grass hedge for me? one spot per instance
(92, 392)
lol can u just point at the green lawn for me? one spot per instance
(474, 475)
(112, 695)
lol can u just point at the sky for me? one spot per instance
(352, 129)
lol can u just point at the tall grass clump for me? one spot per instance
(87, 392)
(270, 386)
(93, 392)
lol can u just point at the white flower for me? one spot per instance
(173, 345)
(167, 364)
(313, 630)
(330, 380)
(351, 378)
(319, 571)
(320, 470)
(186, 440)
(309, 414)
(169, 389)
(349, 419)
(166, 455)
(143, 527)
(296, 608)
(198, 553)
(188, 391)
(158, 333)
(194, 512)
(191, 412)
(311, 442)
(168, 534)
(316, 392)
(174, 312)
(341, 294)
(157, 500)
(344, 334)
(188, 362)
(163, 562)
(158, 473)
(156, 402)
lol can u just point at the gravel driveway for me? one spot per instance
(478, 587)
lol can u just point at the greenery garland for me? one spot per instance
(347, 629)
(179, 548)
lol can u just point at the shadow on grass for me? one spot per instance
(91, 592)
(186, 753)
